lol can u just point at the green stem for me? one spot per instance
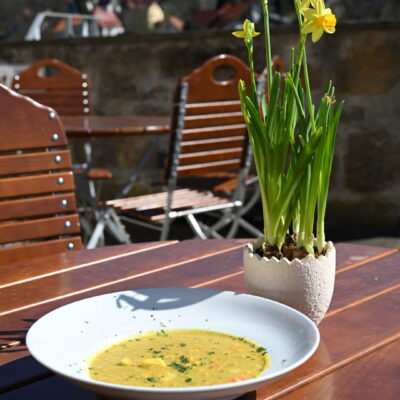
(320, 235)
(253, 87)
(301, 56)
(267, 44)
(308, 91)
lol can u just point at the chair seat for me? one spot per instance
(223, 182)
(151, 207)
(95, 173)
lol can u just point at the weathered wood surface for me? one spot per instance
(359, 336)
(37, 200)
(102, 125)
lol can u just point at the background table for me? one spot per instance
(103, 125)
(357, 357)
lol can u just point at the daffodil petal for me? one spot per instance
(317, 33)
(310, 14)
(308, 27)
(330, 30)
(238, 34)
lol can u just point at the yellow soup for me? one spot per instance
(177, 358)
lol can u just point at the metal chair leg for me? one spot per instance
(195, 226)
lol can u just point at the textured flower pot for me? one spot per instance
(306, 285)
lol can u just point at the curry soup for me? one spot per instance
(177, 358)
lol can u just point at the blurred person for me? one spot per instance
(109, 22)
(143, 16)
(155, 14)
(73, 7)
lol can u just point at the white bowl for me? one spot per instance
(64, 339)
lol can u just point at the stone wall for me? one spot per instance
(138, 74)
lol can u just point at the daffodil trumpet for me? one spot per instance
(292, 139)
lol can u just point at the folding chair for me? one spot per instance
(37, 200)
(66, 89)
(208, 146)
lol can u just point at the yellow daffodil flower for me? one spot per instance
(248, 31)
(318, 20)
(305, 4)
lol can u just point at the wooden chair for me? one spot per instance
(209, 144)
(37, 200)
(66, 89)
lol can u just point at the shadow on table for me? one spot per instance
(164, 298)
(19, 370)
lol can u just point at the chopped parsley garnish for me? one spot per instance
(182, 344)
(261, 350)
(188, 380)
(184, 359)
(179, 367)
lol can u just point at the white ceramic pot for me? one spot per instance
(306, 285)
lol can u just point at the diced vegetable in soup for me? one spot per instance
(177, 358)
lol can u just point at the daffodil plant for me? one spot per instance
(292, 139)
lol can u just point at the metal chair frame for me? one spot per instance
(232, 211)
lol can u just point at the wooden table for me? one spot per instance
(93, 126)
(358, 357)
(103, 125)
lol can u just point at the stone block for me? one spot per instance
(371, 162)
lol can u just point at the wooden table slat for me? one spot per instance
(362, 379)
(114, 125)
(15, 273)
(363, 321)
(136, 266)
(347, 336)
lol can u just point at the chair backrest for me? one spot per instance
(65, 88)
(209, 136)
(37, 200)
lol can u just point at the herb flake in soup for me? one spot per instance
(178, 358)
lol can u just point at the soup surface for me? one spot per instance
(177, 358)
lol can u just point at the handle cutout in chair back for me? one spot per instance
(217, 79)
(223, 74)
(48, 71)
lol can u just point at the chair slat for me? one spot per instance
(196, 121)
(69, 111)
(66, 107)
(40, 228)
(39, 249)
(199, 169)
(144, 199)
(181, 200)
(49, 131)
(212, 107)
(214, 132)
(36, 184)
(56, 95)
(37, 206)
(210, 156)
(35, 162)
(211, 144)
